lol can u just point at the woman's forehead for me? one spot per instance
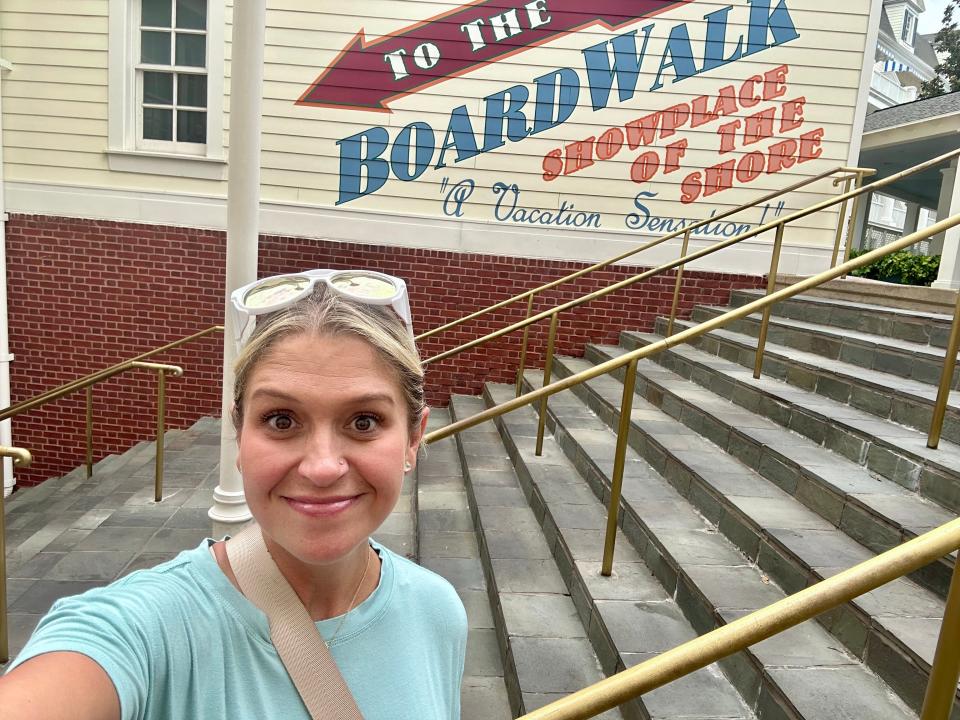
(326, 362)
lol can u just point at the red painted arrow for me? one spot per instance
(360, 77)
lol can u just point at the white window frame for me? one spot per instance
(167, 146)
(125, 151)
(909, 28)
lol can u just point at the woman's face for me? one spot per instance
(323, 442)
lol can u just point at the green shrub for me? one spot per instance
(900, 267)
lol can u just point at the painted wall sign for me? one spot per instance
(627, 116)
(367, 76)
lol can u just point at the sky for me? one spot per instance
(932, 18)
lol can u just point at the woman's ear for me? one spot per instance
(416, 438)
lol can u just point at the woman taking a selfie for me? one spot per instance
(329, 413)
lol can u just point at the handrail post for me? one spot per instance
(942, 686)
(676, 287)
(161, 421)
(161, 369)
(771, 286)
(946, 379)
(89, 450)
(619, 460)
(840, 219)
(547, 370)
(22, 458)
(523, 346)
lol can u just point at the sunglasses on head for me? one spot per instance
(280, 291)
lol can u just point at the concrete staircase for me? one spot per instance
(71, 534)
(739, 491)
(736, 493)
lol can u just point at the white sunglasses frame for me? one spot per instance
(400, 300)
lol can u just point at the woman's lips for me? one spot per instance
(321, 507)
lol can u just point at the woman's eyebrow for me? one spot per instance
(373, 397)
(271, 393)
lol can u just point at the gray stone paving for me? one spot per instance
(630, 616)
(447, 544)
(78, 534)
(829, 482)
(535, 615)
(712, 580)
(903, 400)
(919, 361)
(788, 565)
(898, 323)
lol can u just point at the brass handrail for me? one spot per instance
(794, 609)
(694, 332)
(162, 371)
(95, 377)
(782, 615)
(720, 245)
(646, 246)
(23, 458)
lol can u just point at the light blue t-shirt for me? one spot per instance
(180, 642)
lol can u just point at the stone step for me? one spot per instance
(910, 325)
(921, 362)
(631, 616)
(873, 510)
(447, 544)
(884, 447)
(902, 400)
(894, 628)
(25, 498)
(714, 583)
(544, 648)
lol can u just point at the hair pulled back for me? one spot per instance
(325, 312)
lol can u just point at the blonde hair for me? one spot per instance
(324, 312)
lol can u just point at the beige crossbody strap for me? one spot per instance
(300, 645)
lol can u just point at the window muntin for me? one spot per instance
(171, 76)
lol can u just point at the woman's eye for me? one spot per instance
(364, 423)
(279, 421)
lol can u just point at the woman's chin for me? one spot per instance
(319, 553)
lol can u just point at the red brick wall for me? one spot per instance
(84, 294)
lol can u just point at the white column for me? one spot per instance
(948, 243)
(860, 220)
(912, 217)
(230, 509)
(6, 437)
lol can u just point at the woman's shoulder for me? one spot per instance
(120, 623)
(146, 594)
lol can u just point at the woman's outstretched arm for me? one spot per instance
(58, 686)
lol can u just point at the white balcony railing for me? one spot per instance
(892, 90)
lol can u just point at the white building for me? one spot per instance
(904, 60)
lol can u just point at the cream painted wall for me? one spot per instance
(56, 119)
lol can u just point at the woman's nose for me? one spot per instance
(323, 462)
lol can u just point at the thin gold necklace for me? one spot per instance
(356, 592)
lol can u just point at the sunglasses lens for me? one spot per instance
(364, 286)
(272, 292)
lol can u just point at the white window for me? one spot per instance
(887, 210)
(166, 87)
(171, 76)
(928, 216)
(908, 32)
